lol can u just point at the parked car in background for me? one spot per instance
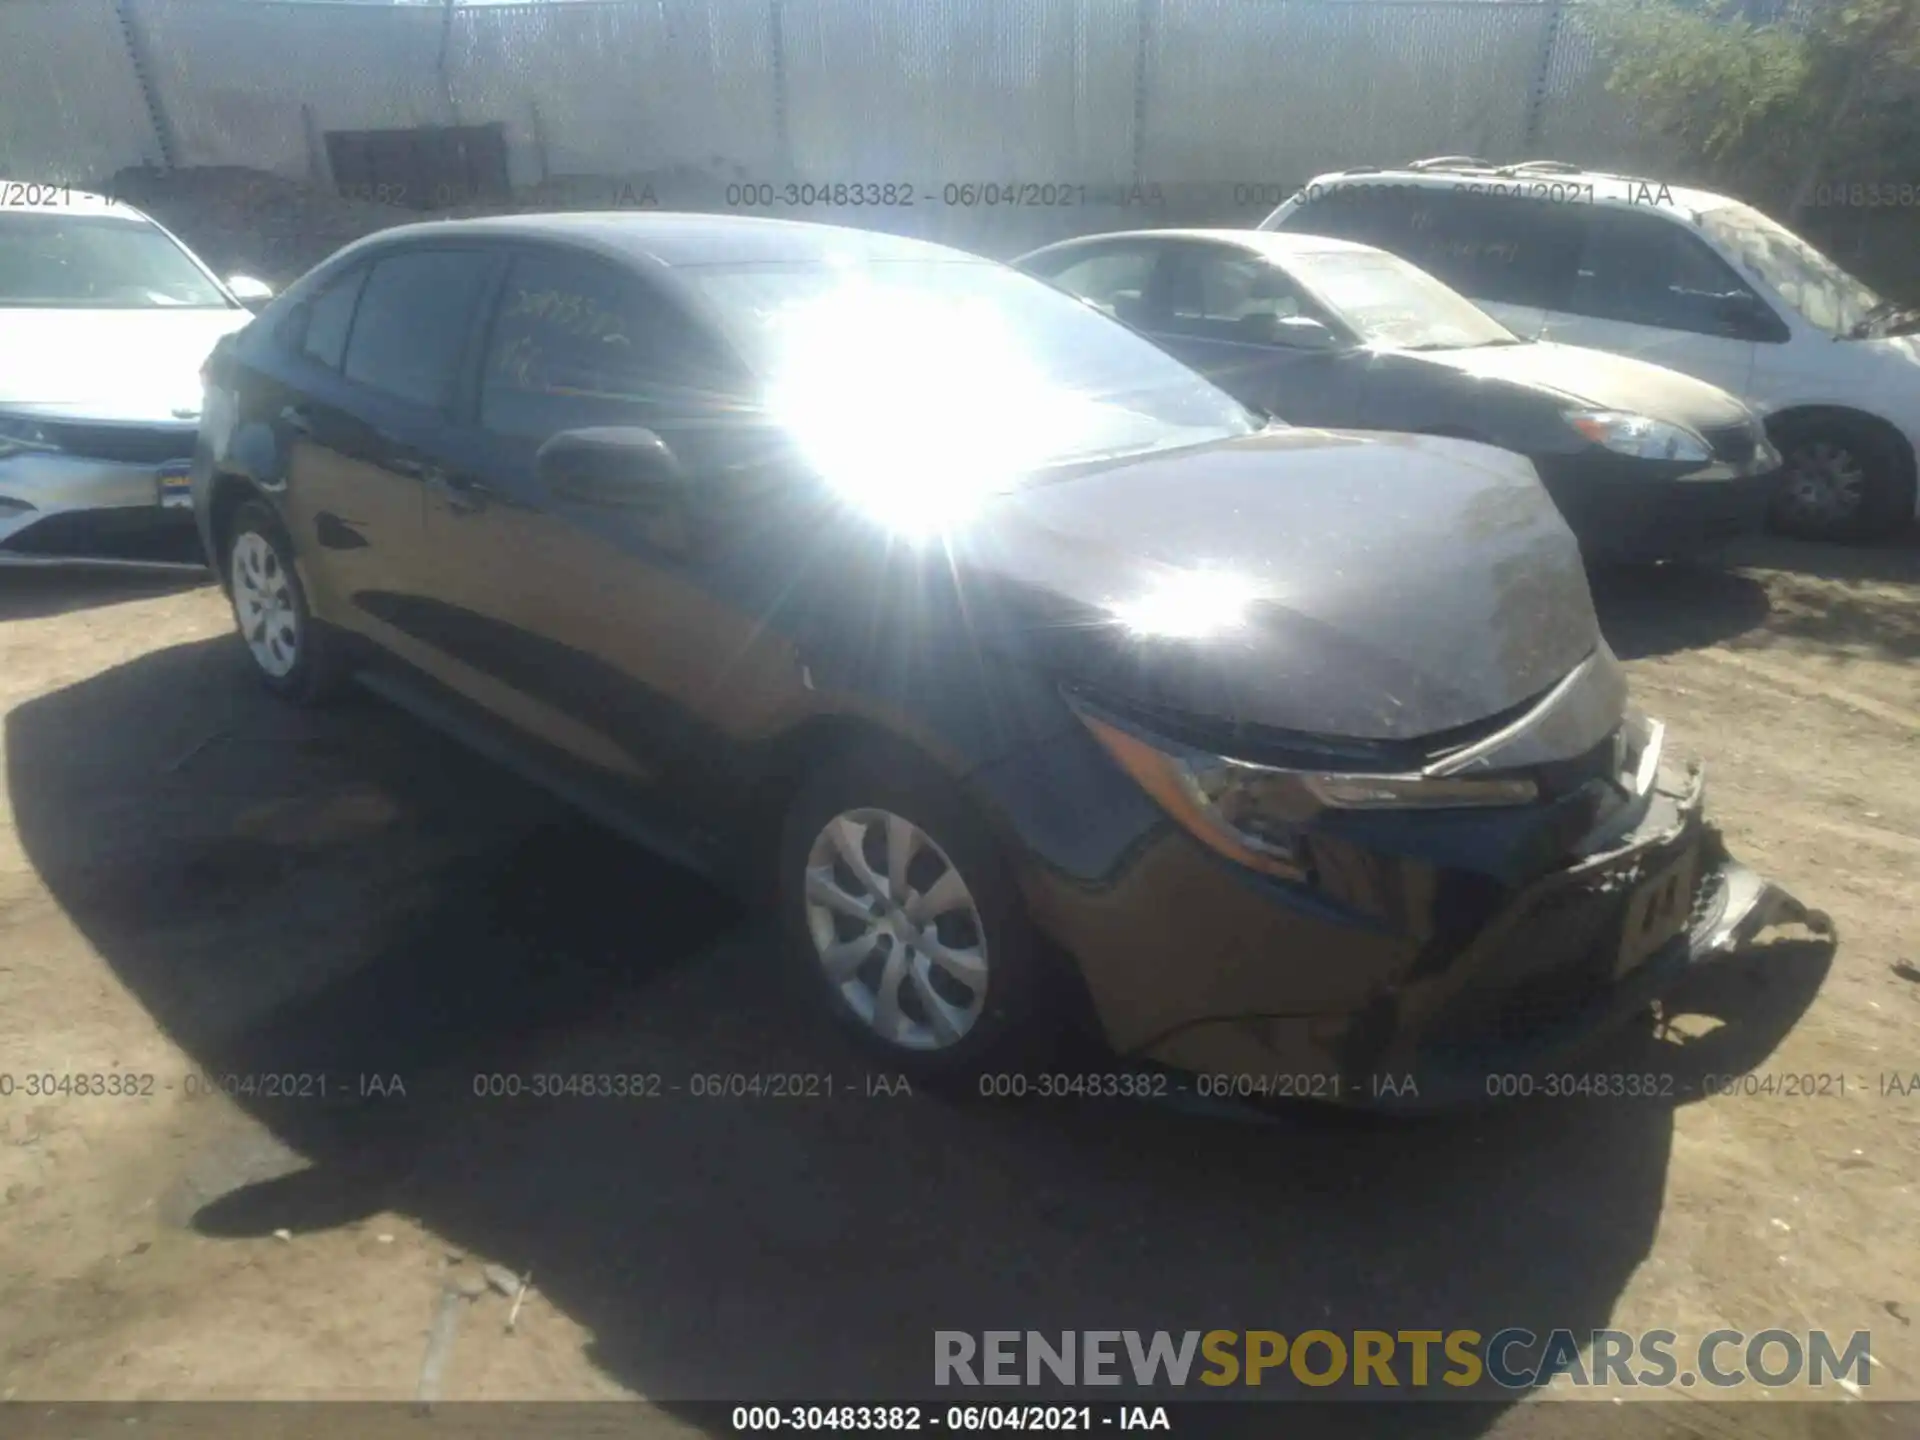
(1688, 279)
(978, 632)
(1644, 463)
(105, 319)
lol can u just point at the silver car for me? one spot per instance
(105, 320)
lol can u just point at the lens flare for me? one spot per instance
(1189, 605)
(917, 407)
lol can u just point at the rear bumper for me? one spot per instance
(1624, 517)
(67, 509)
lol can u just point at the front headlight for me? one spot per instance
(17, 434)
(1258, 814)
(1640, 436)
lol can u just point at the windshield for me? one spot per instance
(68, 262)
(1395, 305)
(1812, 284)
(922, 385)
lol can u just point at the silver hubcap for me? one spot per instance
(1824, 482)
(263, 604)
(896, 929)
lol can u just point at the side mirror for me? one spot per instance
(248, 291)
(613, 465)
(1744, 315)
(1302, 332)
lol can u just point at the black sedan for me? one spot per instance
(1645, 463)
(989, 642)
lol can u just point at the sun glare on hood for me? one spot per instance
(917, 406)
(1189, 605)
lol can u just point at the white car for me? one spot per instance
(105, 320)
(1687, 279)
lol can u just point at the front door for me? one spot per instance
(603, 626)
(1648, 287)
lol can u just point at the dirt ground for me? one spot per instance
(197, 880)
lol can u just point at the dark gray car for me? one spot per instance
(1644, 462)
(1008, 657)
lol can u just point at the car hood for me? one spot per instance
(1599, 379)
(1349, 584)
(126, 365)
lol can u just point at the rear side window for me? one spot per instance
(575, 342)
(1645, 270)
(1507, 249)
(328, 317)
(1115, 278)
(1222, 295)
(412, 323)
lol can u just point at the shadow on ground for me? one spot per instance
(347, 894)
(35, 592)
(1658, 610)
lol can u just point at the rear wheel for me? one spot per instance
(899, 916)
(1840, 480)
(288, 650)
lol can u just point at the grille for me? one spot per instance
(1734, 444)
(135, 444)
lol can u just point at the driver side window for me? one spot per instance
(1646, 270)
(575, 343)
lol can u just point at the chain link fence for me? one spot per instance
(1188, 93)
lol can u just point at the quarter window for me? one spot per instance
(412, 323)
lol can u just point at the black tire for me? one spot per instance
(1013, 1016)
(314, 676)
(1812, 449)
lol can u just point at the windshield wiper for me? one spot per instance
(1885, 310)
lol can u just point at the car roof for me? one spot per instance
(1450, 172)
(681, 240)
(1276, 245)
(15, 200)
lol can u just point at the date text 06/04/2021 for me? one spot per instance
(904, 1419)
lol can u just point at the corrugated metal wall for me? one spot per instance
(1178, 93)
(70, 103)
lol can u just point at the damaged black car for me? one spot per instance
(1005, 656)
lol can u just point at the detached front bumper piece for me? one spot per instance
(1568, 962)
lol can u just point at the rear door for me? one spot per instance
(365, 437)
(1648, 287)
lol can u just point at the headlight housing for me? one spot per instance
(1258, 815)
(1640, 436)
(18, 434)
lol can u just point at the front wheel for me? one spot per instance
(899, 916)
(1839, 481)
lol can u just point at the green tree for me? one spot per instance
(1771, 110)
